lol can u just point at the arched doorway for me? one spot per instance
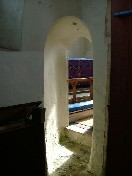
(62, 35)
(60, 38)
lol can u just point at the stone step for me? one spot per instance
(81, 115)
(79, 133)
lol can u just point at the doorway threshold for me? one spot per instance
(80, 131)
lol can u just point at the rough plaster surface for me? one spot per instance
(39, 16)
(101, 53)
(61, 42)
(60, 38)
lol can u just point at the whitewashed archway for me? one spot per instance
(61, 36)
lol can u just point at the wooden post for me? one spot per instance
(91, 88)
(74, 82)
(74, 91)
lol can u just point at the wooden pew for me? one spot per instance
(74, 81)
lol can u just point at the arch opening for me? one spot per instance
(80, 67)
(65, 34)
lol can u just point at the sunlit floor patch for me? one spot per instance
(81, 126)
(61, 156)
(71, 158)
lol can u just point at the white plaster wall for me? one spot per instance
(96, 21)
(21, 75)
(81, 48)
(22, 71)
(60, 39)
(39, 16)
(26, 83)
(97, 15)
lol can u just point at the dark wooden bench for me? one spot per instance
(22, 144)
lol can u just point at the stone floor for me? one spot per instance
(71, 159)
(81, 130)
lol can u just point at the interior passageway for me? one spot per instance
(73, 151)
(71, 159)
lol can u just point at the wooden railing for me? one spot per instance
(73, 82)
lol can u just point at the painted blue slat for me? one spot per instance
(123, 13)
(80, 106)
